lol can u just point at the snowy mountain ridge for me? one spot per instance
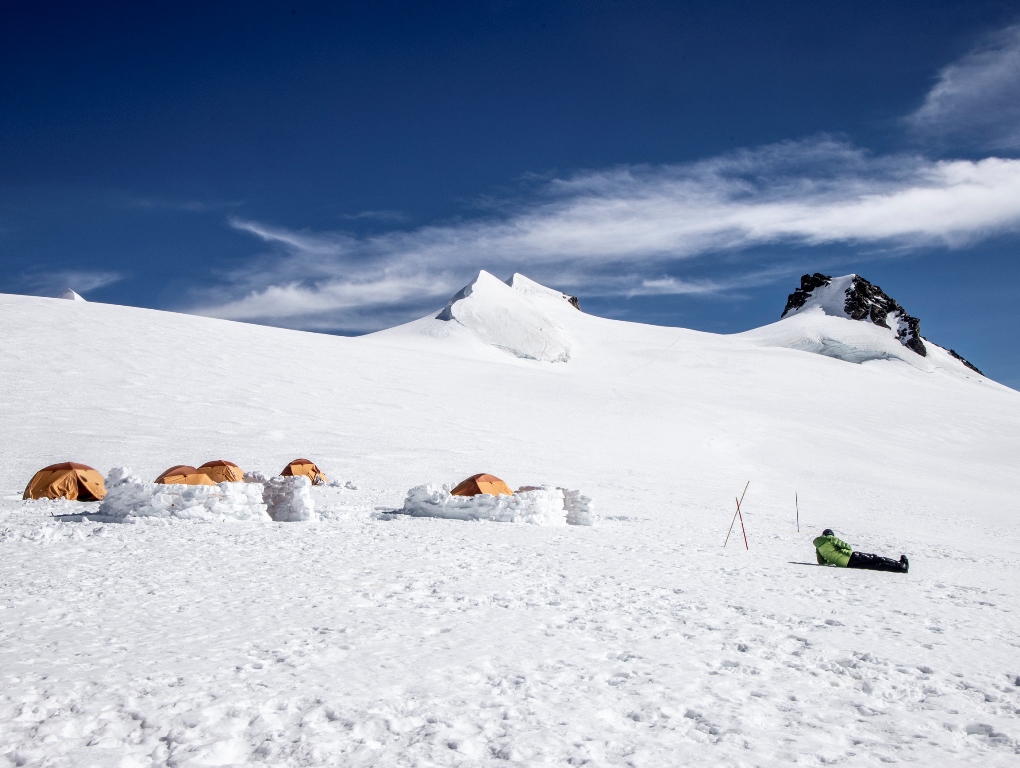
(517, 316)
(529, 321)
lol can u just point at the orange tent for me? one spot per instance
(482, 483)
(182, 474)
(306, 468)
(69, 480)
(220, 471)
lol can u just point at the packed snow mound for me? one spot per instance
(851, 319)
(71, 295)
(516, 317)
(287, 499)
(128, 496)
(539, 506)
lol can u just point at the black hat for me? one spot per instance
(828, 532)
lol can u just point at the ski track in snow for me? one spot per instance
(373, 639)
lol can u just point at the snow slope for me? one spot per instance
(370, 638)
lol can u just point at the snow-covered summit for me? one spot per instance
(853, 319)
(529, 287)
(854, 297)
(517, 316)
(71, 295)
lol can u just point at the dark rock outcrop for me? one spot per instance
(808, 283)
(963, 360)
(864, 300)
(867, 300)
(573, 302)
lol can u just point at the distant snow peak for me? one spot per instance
(71, 295)
(515, 316)
(854, 297)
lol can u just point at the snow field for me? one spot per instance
(380, 639)
(419, 642)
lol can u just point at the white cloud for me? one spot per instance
(626, 227)
(57, 281)
(977, 99)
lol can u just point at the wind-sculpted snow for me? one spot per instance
(812, 329)
(511, 318)
(538, 506)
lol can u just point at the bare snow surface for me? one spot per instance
(369, 637)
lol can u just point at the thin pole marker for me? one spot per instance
(734, 520)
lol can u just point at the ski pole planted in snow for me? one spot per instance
(796, 502)
(735, 514)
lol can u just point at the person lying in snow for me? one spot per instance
(832, 551)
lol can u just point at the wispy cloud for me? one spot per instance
(188, 206)
(976, 100)
(53, 283)
(377, 215)
(632, 228)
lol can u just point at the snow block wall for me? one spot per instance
(580, 509)
(130, 496)
(289, 499)
(539, 506)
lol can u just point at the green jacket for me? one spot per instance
(829, 549)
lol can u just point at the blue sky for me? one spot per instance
(345, 167)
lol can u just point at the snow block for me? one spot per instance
(580, 509)
(289, 499)
(538, 506)
(131, 497)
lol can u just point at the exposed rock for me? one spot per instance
(862, 301)
(866, 300)
(574, 302)
(963, 360)
(853, 297)
(800, 296)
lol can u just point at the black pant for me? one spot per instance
(874, 563)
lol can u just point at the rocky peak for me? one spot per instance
(861, 300)
(800, 296)
(855, 298)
